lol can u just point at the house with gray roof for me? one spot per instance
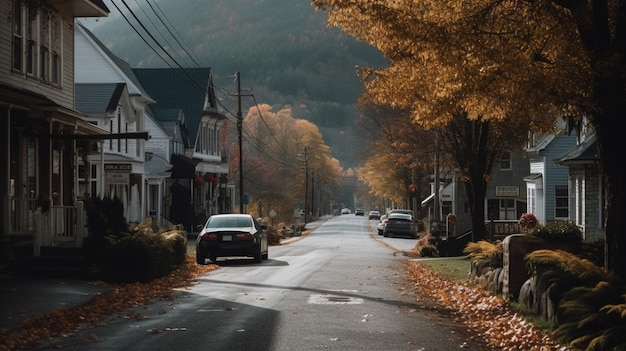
(547, 190)
(186, 100)
(112, 99)
(587, 198)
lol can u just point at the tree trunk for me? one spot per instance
(612, 100)
(469, 143)
(602, 29)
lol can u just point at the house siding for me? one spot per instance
(542, 161)
(555, 174)
(585, 203)
(63, 94)
(91, 66)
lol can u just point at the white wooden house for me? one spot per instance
(111, 97)
(42, 134)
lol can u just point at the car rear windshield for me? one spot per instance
(229, 222)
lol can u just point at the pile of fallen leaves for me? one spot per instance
(489, 317)
(119, 300)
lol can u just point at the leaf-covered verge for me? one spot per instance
(489, 317)
(119, 300)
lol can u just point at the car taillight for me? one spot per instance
(209, 237)
(245, 236)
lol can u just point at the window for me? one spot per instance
(37, 42)
(56, 49)
(18, 39)
(505, 161)
(31, 39)
(561, 198)
(87, 182)
(507, 209)
(44, 47)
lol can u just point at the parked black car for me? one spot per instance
(400, 224)
(231, 235)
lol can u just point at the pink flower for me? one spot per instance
(528, 221)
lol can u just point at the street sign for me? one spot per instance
(118, 167)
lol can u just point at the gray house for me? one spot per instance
(586, 195)
(547, 185)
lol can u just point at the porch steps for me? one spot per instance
(56, 262)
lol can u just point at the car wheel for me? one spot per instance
(258, 257)
(380, 232)
(200, 258)
(265, 256)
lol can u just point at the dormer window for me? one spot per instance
(505, 161)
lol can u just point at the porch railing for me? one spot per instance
(60, 225)
(498, 229)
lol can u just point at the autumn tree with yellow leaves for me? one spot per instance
(524, 62)
(399, 155)
(279, 149)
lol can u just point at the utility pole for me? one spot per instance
(240, 131)
(434, 228)
(306, 184)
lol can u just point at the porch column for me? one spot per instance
(4, 178)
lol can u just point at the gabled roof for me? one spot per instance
(585, 152)
(98, 98)
(542, 143)
(187, 89)
(134, 85)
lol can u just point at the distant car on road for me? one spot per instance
(231, 235)
(373, 215)
(359, 212)
(400, 224)
(346, 211)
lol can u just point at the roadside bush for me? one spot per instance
(590, 310)
(484, 254)
(105, 216)
(273, 235)
(141, 256)
(425, 246)
(559, 231)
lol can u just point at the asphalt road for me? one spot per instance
(339, 288)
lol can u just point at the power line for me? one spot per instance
(149, 34)
(184, 47)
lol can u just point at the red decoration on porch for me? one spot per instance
(199, 180)
(212, 178)
(412, 188)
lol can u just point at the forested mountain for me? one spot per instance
(285, 52)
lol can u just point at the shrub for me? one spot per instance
(559, 231)
(105, 216)
(485, 254)
(273, 235)
(425, 246)
(139, 257)
(590, 310)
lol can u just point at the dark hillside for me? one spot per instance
(283, 49)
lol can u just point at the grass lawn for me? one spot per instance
(454, 268)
